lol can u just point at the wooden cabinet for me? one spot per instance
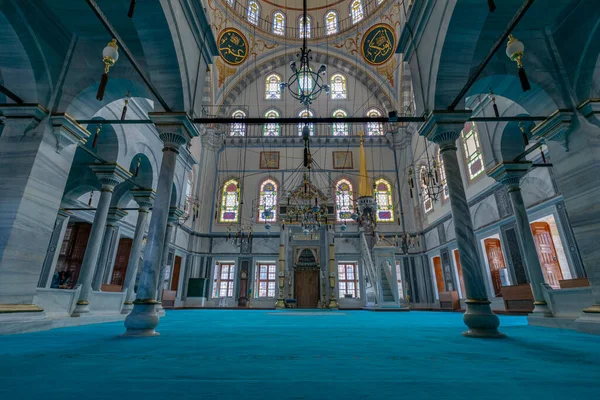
(449, 300)
(518, 298)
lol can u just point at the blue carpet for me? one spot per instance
(219, 354)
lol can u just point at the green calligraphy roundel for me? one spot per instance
(233, 46)
(378, 44)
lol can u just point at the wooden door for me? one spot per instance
(439, 275)
(460, 274)
(72, 251)
(547, 253)
(306, 287)
(176, 268)
(121, 260)
(493, 250)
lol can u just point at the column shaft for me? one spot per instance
(134, 256)
(103, 257)
(60, 228)
(163, 262)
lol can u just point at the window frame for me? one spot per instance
(343, 93)
(344, 125)
(222, 200)
(311, 126)
(374, 126)
(277, 93)
(426, 200)
(217, 279)
(301, 28)
(275, 26)
(343, 280)
(469, 159)
(351, 206)
(359, 16)
(259, 217)
(390, 200)
(255, 18)
(268, 280)
(277, 125)
(336, 23)
(238, 126)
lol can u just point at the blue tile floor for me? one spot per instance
(285, 355)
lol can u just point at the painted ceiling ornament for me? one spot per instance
(233, 46)
(225, 72)
(378, 44)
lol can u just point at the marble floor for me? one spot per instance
(255, 354)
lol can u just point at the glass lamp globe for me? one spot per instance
(514, 48)
(110, 54)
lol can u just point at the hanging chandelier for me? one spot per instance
(429, 178)
(307, 207)
(305, 85)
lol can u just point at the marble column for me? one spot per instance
(114, 216)
(110, 175)
(36, 153)
(145, 200)
(281, 273)
(112, 256)
(211, 142)
(174, 215)
(574, 151)
(60, 228)
(444, 128)
(510, 174)
(175, 129)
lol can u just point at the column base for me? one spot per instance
(82, 307)
(589, 320)
(333, 304)
(160, 310)
(280, 303)
(142, 320)
(127, 307)
(481, 321)
(541, 310)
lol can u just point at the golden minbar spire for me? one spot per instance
(364, 188)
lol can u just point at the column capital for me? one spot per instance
(114, 216)
(510, 173)
(174, 129)
(591, 110)
(110, 175)
(556, 127)
(444, 127)
(401, 138)
(174, 214)
(28, 115)
(144, 198)
(67, 131)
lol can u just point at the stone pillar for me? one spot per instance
(444, 128)
(145, 200)
(281, 273)
(114, 216)
(112, 256)
(575, 156)
(205, 187)
(110, 175)
(510, 174)
(174, 215)
(60, 227)
(36, 154)
(175, 129)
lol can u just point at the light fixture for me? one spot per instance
(110, 55)
(515, 49)
(495, 106)
(305, 85)
(124, 112)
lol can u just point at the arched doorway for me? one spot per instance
(306, 279)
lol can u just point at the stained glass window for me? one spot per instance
(230, 201)
(188, 194)
(311, 127)
(374, 128)
(267, 201)
(272, 128)
(339, 128)
(356, 11)
(343, 200)
(279, 23)
(265, 279)
(383, 198)
(331, 23)
(273, 87)
(472, 149)
(425, 198)
(238, 128)
(253, 12)
(442, 172)
(348, 280)
(338, 87)
(305, 81)
(302, 27)
(223, 280)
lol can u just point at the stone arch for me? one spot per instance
(484, 214)
(535, 189)
(107, 142)
(332, 61)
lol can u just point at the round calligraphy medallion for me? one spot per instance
(233, 46)
(378, 44)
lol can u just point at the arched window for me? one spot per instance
(331, 23)
(230, 202)
(304, 27)
(306, 114)
(374, 128)
(238, 128)
(339, 128)
(356, 11)
(253, 12)
(267, 201)
(383, 197)
(338, 87)
(279, 23)
(343, 200)
(273, 87)
(425, 198)
(442, 172)
(187, 207)
(272, 128)
(472, 149)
